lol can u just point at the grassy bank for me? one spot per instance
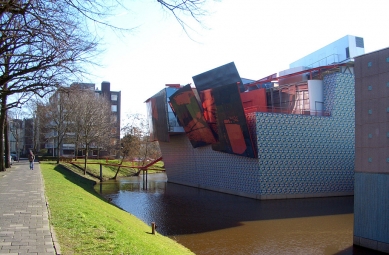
(109, 167)
(87, 224)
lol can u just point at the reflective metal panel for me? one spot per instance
(189, 113)
(232, 128)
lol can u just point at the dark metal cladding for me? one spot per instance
(157, 108)
(233, 132)
(222, 75)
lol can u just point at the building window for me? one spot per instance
(114, 97)
(359, 42)
(114, 118)
(114, 108)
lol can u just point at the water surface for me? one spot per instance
(209, 222)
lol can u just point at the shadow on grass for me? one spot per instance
(125, 171)
(81, 181)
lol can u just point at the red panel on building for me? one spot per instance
(254, 101)
(235, 135)
(188, 111)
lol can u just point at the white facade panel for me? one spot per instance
(339, 51)
(316, 98)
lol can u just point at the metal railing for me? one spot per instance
(328, 60)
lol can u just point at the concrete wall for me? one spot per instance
(298, 155)
(371, 213)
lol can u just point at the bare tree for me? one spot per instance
(77, 124)
(43, 42)
(130, 143)
(181, 8)
(56, 116)
(135, 143)
(92, 121)
(15, 120)
(33, 123)
(153, 151)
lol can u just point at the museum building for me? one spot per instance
(288, 135)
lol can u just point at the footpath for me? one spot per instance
(24, 222)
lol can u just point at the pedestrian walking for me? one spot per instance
(31, 158)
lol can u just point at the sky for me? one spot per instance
(260, 36)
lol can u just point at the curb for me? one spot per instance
(56, 245)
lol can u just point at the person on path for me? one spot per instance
(31, 158)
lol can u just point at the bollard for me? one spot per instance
(101, 173)
(153, 226)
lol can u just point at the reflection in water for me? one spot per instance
(210, 222)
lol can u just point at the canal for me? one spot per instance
(209, 222)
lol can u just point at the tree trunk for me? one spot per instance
(7, 152)
(3, 113)
(57, 150)
(76, 150)
(117, 172)
(86, 158)
(17, 149)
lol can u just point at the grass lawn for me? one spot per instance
(86, 224)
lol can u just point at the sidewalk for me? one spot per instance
(24, 224)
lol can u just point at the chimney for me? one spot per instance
(105, 88)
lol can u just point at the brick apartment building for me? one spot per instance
(68, 149)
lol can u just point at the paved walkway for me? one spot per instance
(24, 223)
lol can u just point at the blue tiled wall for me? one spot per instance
(298, 155)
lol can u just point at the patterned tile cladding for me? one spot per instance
(298, 155)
